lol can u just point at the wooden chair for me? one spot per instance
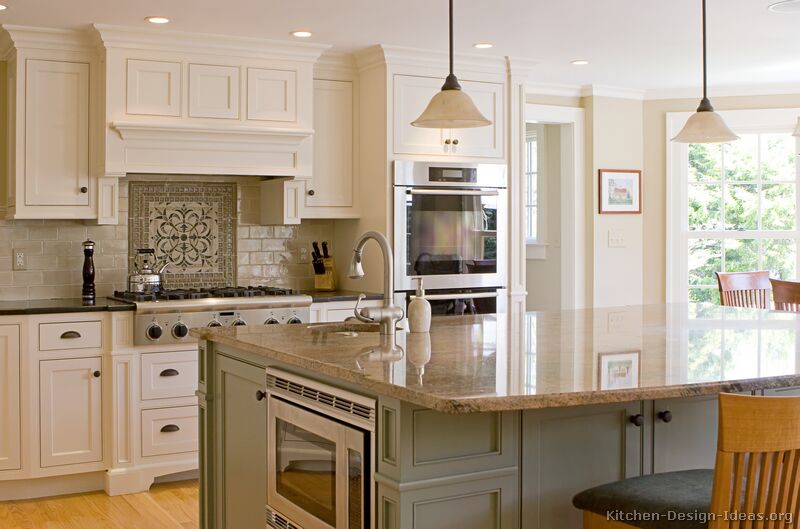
(744, 289)
(757, 471)
(786, 295)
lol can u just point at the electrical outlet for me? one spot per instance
(19, 261)
(302, 257)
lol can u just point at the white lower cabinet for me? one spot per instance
(70, 410)
(10, 432)
(169, 430)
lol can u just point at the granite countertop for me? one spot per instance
(552, 359)
(55, 306)
(320, 296)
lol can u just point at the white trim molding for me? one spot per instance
(613, 91)
(729, 91)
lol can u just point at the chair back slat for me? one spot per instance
(744, 289)
(786, 295)
(758, 462)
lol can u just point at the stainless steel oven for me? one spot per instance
(459, 302)
(319, 460)
(449, 224)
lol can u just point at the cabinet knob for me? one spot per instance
(96, 374)
(447, 141)
(665, 415)
(84, 190)
(637, 420)
(455, 141)
(311, 192)
(260, 395)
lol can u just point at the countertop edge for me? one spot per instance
(65, 309)
(510, 403)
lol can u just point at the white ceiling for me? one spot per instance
(642, 44)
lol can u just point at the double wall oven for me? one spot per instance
(450, 224)
(320, 455)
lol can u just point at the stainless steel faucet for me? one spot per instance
(388, 315)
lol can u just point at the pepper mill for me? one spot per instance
(88, 272)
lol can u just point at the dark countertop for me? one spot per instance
(339, 295)
(55, 306)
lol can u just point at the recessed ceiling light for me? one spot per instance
(482, 45)
(157, 20)
(580, 62)
(786, 6)
(301, 34)
(3, 8)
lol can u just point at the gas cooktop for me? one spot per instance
(181, 294)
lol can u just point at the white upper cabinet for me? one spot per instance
(154, 88)
(272, 95)
(413, 93)
(213, 91)
(9, 398)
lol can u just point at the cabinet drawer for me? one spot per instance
(70, 335)
(169, 431)
(166, 375)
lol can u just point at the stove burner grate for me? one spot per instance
(180, 294)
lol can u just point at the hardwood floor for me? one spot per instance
(165, 506)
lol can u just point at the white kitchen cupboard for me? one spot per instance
(10, 427)
(70, 408)
(213, 91)
(413, 93)
(330, 193)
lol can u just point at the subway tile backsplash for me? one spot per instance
(268, 255)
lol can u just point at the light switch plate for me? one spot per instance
(616, 239)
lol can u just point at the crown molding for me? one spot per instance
(43, 38)
(419, 58)
(724, 91)
(179, 41)
(553, 89)
(613, 91)
(335, 64)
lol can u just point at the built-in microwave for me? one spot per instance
(450, 225)
(320, 455)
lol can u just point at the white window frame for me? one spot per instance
(742, 121)
(536, 246)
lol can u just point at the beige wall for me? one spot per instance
(654, 202)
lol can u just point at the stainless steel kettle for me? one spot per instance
(146, 276)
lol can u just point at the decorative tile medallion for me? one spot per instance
(191, 226)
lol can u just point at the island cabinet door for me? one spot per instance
(241, 439)
(684, 433)
(567, 450)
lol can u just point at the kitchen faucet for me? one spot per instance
(388, 314)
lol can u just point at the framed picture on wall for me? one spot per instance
(620, 191)
(618, 370)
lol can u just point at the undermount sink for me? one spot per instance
(345, 327)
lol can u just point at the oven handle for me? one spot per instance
(468, 295)
(465, 192)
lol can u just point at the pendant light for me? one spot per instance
(705, 125)
(451, 108)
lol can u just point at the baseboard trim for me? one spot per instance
(24, 489)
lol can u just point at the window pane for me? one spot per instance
(700, 295)
(741, 255)
(778, 207)
(778, 157)
(705, 207)
(740, 158)
(705, 258)
(780, 257)
(704, 161)
(741, 207)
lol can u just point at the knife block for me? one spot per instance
(327, 281)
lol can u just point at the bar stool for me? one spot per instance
(757, 471)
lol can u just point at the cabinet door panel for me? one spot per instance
(271, 95)
(689, 439)
(56, 133)
(559, 458)
(333, 145)
(154, 88)
(411, 95)
(70, 411)
(481, 141)
(213, 91)
(241, 460)
(9, 398)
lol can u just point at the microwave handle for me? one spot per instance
(470, 295)
(463, 192)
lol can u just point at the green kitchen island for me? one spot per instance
(490, 421)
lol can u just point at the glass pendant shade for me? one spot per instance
(451, 109)
(705, 126)
(796, 132)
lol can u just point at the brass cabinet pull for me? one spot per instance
(70, 335)
(169, 373)
(169, 428)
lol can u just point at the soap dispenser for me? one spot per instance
(419, 311)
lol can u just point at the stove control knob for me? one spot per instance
(294, 321)
(214, 323)
(154, 331)
(180, 330)
(271, 321)
(239, 322)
